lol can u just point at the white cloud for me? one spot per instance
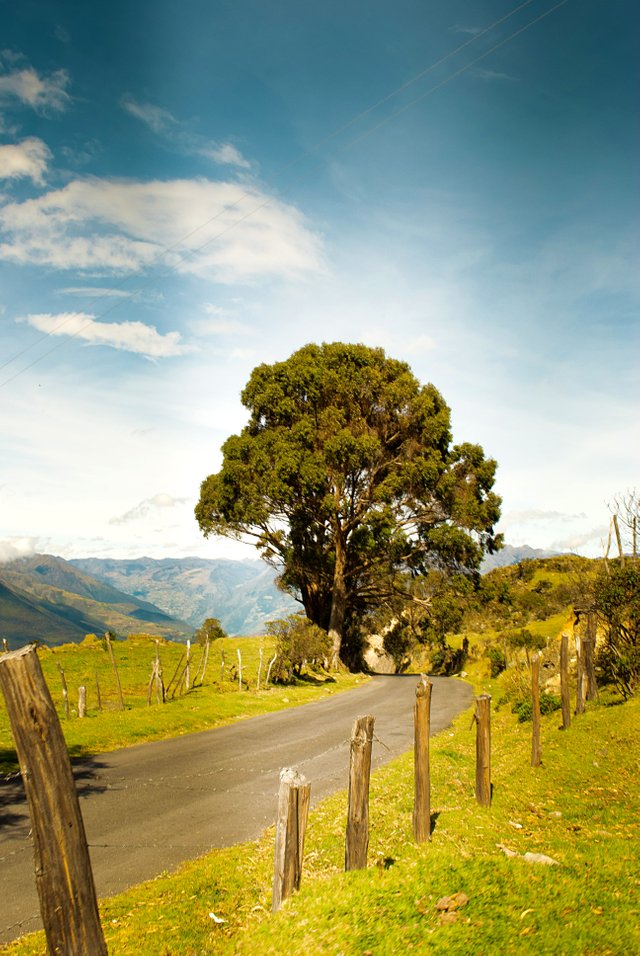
(536, 514)
(41, 93)
(27, 159)
(126, 336)
(155, 117)
(145, 508)
(165, 124)
(13, 548)
(218, 230)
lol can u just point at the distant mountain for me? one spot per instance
(513, 555)
(47, 599)
(242, 594)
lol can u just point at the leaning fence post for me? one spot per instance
(589, 644)
(293, 810)
(564, 681)
(581, 678)
(357, 842)
(107, 638)
(482, 719)
(422, 728)
(536, 753)
(63, 875)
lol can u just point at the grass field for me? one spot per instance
(581, 808)
(212, 704)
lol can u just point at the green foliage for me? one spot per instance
(616, 599)
(346, 475)
(524, 709)
(297, 641)
(497, 661)
(210, 630)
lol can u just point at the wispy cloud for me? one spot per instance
(126, 336)
(165, 124)
(148, 507)
(468, 31)
(25, 160)
(13, 548)
(595, 536)
(489, 75)
(42, 93)
(535, 514)
(221, 231)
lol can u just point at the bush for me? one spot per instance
(524, 708)
(297, 642)
(447, 660)
(497, 661)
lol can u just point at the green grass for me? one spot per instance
(213, 704)
(581, 807)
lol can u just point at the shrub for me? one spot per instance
(497, 661)
(297, 641)
(524, 708)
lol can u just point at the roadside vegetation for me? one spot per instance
(581, 809)
(212, 702)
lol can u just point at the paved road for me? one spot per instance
(148, 808)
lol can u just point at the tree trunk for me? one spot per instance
(338, 603)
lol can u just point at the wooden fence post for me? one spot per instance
(82, 701)
(221, 665)
(98, 697)
(536, 753)
(357, 842)
(589, 644)
(187, 668)
(581, 688)
(293, 810)
(63, 875)
(564, 681)
(259, 670)
(271, 663)
(65, 691)
(107, 638)
(482, 718)
(421, 770)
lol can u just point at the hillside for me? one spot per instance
(44, 598)
(241, 594)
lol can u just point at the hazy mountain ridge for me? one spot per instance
(513, 554)
(45, 598)
(241, 594)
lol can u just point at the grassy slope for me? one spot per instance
(211, 705)
(581, 808)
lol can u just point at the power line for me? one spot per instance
(296, 161)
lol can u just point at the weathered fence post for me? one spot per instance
(174, 676)
(271, 663)
(107, 638)
(581, 677)
(422, 781)
(536, 753)
(589, 644)
(293, 810)
(482, 718)
(239, 670)
(564, 681)
(82, 701)
(357, 842)
(65, 691)
(98, 697)
(259, 671)
(63, 875)
(160, 693)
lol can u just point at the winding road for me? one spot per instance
(150, 807)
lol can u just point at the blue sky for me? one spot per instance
(188, 189)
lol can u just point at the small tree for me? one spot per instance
(297, 641)
(210, 630)
(616, 600)
(524, 639)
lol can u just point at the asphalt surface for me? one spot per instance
(150, 807)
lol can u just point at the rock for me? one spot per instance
(540, 858)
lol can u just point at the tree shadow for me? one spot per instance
(14, 810)
(433, 821)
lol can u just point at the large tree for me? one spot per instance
(346, 479)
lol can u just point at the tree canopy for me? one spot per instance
(346, 478)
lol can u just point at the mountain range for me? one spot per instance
(45, 598)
